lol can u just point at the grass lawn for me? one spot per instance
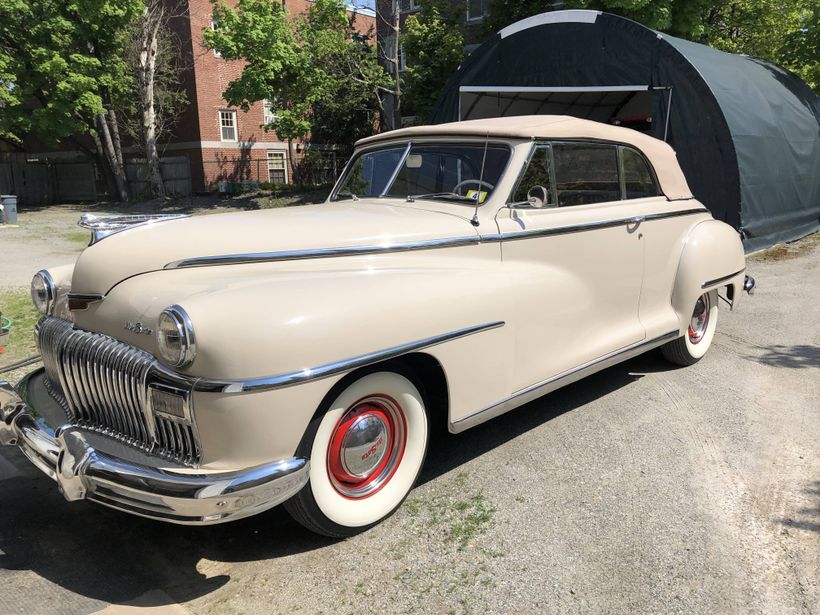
(16, 305)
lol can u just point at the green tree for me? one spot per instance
(800, 49)
(433, 42)
(300, 63)
(63, 72)
(678, 17)
(781, 31)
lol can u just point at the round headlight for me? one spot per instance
(175, 337)
(43, 292)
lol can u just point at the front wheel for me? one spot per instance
(365, 454)
(689, 349)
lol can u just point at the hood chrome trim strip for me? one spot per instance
(331, 369)
(429, 244)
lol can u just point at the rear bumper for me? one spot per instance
(89, 465)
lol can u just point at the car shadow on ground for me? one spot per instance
(106, 555)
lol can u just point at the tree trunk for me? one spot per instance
(115, 136)
(395, 25)
(153, 18)
(105, 169)
(296, 175)
(111, 157)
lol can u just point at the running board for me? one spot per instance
(535, 391)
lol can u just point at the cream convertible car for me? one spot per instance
(204, 369)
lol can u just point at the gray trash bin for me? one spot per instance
(9, 208)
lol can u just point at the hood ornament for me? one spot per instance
(103, 226)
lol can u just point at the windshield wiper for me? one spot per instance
(347, 194)
(452, 196)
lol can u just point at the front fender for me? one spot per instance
(712, 258)
(258, 320)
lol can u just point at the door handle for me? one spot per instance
(636, 220)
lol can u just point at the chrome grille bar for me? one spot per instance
(102, 383)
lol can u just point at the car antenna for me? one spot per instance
(474, 221)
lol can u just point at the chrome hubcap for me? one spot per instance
(700, 319)
(366, 446)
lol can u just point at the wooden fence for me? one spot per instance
(46, 180)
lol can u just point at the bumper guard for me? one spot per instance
(72, 456)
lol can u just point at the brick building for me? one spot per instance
(211, 146)
(221, 142)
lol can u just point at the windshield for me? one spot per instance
(450, 171)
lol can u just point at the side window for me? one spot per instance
(537, 174)
(586, 173)
(638, 179)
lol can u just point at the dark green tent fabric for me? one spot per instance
(747, 133)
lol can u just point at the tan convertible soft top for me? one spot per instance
(661, 155)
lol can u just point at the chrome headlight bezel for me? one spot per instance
(175, 337)
(43, 292)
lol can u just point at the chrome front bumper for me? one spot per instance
(89, 465)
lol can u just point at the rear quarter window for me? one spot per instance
(639, 181)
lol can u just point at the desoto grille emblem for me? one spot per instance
(139, 328)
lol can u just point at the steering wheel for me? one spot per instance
(477, 182)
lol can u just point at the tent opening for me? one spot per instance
(632, 106)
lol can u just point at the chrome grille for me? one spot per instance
(102, 384)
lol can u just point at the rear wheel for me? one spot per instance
(365, 454)
(689, 349)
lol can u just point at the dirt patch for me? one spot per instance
(788, 251)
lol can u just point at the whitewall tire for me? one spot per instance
(365, 452)
(690, 348)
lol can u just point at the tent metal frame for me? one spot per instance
(518, 90)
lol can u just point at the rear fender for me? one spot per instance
(712, 258)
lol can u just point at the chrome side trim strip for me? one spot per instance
(676, 214)
(725, 278)
(292, 255)
(337, 367)
(519, 398)
(429, 244)
(590, 226)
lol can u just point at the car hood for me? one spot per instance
(348, 224)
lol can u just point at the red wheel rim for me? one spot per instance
(366, 446)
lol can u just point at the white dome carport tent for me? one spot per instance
(747, 133)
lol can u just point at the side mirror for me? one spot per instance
(538, 196)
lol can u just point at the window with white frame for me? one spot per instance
(277, 167)
(477, 9)
(268, 107)
(402, 59)
(227, 125)
(215, 27)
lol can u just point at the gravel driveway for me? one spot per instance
(641, 489)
